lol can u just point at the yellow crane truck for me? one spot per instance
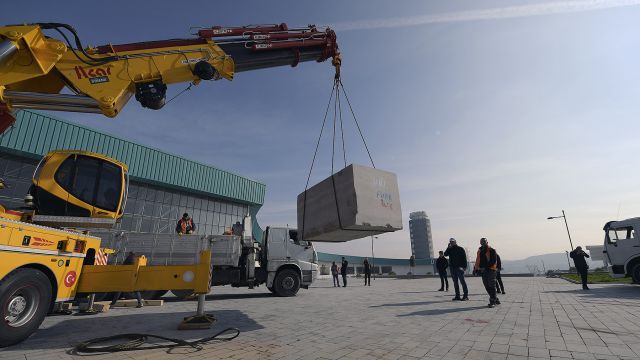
(47, 255)
(41, 265)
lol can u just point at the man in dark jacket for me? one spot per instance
(442, 264)
(367, 271)
(458, 264)
(578, 255)
(487, 265)
(130, 260)
(343, 271)
(499, 284)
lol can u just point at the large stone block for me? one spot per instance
(356, 202)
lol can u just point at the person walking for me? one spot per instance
(458, 265)
(334, 274)
(130, 260)
(578, 255)
(499, 284)
(367, 272)
(487, 265)
(442, 264)
(185, 225)
(343, 271)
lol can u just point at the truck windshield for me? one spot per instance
(613, 235)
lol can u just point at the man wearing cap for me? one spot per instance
(185, 225)
(578, 255)
(458, 263)
(487, 265)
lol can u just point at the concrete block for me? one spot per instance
(101, 306)
(356, 202)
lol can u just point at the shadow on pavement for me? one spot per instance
(617, 292)
(67, 333)
(442, 311)
(415, 303)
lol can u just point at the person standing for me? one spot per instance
(458, 264)
(499, 284)
(343, 271)
(130, 260)
(578, 255)
(367, 272)
(442, 264)
(334, 274)
(185, 225)
(487, 265)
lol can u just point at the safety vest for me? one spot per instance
(487, 254)
(184, 224)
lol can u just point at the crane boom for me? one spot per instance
(35, 69)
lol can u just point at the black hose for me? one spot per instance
(134, 342)
(92, 61)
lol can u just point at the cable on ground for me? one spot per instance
(132, 342)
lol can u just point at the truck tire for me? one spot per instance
(25, 295)
(287, 283)
(182, 294)
(635, 273)
(272, 290)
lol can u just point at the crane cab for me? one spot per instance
(81, 184)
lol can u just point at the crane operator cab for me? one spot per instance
(78, 189)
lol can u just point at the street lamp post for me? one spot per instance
(568, 233)
(373, 257)
(565, 224)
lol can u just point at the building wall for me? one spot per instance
(420, 232)
(150, 208)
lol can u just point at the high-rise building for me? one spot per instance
(420, 230)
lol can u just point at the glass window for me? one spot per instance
(63, 175)
(620, 234)
(151, 194)
(84, 182)
(160, 194)
(216, 219)
(109, 187)
(183, 200)
(150, 209)
(175, 199)
(218, 206)
(198, 203)
(133, 191)
(142, 192)
(190, 201)
(168, 197)
(147, 225)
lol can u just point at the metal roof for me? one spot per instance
(34, 135)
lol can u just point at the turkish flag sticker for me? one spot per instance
(70, 278)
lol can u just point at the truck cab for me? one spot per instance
(287, 262)
(622, 248)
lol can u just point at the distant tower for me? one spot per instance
(420, 230)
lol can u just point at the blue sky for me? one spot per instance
(494, 114)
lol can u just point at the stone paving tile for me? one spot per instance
(393, 319)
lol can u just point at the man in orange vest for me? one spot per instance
(486, 264)
(185, 225)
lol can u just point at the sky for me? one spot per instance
(494, 115)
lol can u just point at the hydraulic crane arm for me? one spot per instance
(34, 68)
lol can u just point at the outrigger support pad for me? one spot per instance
(200, 320)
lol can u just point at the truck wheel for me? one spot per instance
(635, 273)
(25, 297)
(152, 294)
(287, 283)
(182, 294)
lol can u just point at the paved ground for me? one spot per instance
(393, 319)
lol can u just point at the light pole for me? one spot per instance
(565, 224)
(373, 257)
